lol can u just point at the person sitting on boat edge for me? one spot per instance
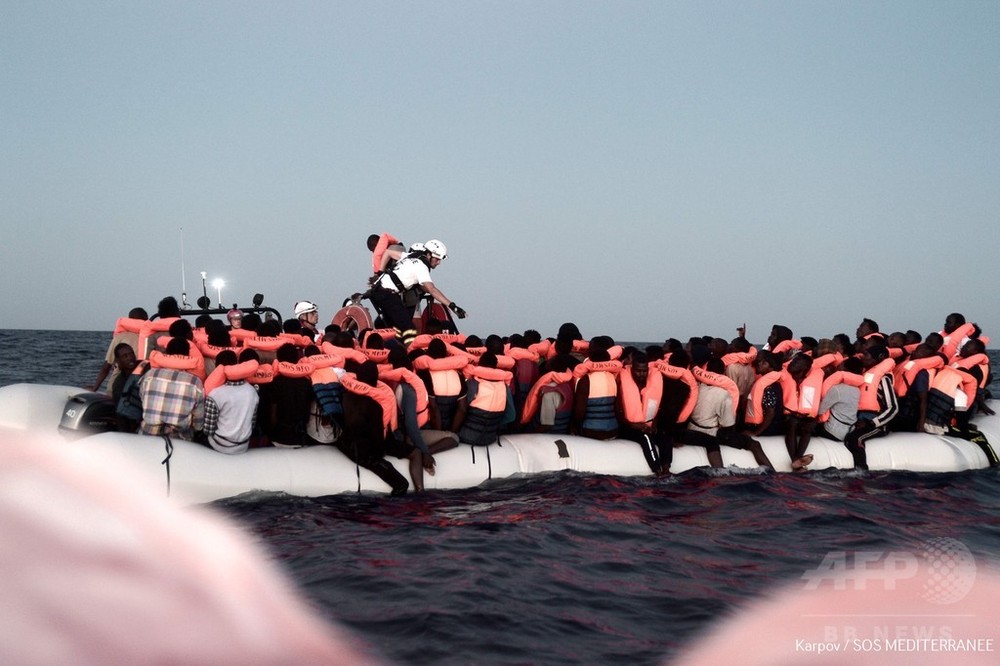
(231, 409)
(549, 404)
(125, 362)
(595, 396)
(446, 385)
(490, 402)
(639, 396)
(365, 439)
(679, 396)
(801, 397)
(110, 365)
(173, 400)
(413, 403)
(841, 401)
(413, 271)
(877, 405)
(285, 400)
(714, 413)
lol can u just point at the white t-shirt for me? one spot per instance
(410, 271)
(713, 410)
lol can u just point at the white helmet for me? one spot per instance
(437, 249)
(305, 307)
(417, 248)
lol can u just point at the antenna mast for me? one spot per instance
(184, 296)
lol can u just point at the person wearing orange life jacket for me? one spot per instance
(739, 359)
(676, 406)
(972, 358)
(173, 400)
(365, 439)
(284, 402)
(441, 373)
(526, 369)
(595, 395)
(639, 396)
(765, 414)
(912, 384)
(231, 409)
(877, 406)
(413, 271)
(491, 404)
(548, 406)
(840, 400)
(802, 392)
(868, 331)
(955, 333)
(127, 333)
(386, 251)
(714, 413)
(413, 403)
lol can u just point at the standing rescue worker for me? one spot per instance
(410, 272)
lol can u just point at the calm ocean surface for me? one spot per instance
(567, 569)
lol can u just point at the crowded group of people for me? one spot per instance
(391, 391)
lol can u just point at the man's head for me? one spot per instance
(367, 373)
(639, 368)
(873, 355)
(307, 312)
(125, 357)
(953, 321)
(799, 366)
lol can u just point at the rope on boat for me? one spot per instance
(169, 446)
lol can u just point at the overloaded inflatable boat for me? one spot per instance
(197, 473)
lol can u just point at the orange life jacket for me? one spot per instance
(833, 358)
(679, 374)
(382, 394)
(907, 372)
(740, 358)
(444, 373)
(303, 369)
(377, 356)
(152, 328)
(787, 345)
(491, 395)
(384, 241)
(980, 360)
(394, 376)
(961, 386)
(265, 343)
(802, 398)
(715, 379)
(869, 386)
(533, 400)
(640, 406)
(346, 353)
(755, 402)
(952, 340)
(158, 359)
(230, 373)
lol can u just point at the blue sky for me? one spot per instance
(645, 169)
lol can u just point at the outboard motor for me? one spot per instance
(88, 414)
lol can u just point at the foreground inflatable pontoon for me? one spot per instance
(197, 473)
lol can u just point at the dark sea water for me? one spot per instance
(569, 569)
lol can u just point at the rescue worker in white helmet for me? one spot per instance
(409, 272)
(307, 313)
